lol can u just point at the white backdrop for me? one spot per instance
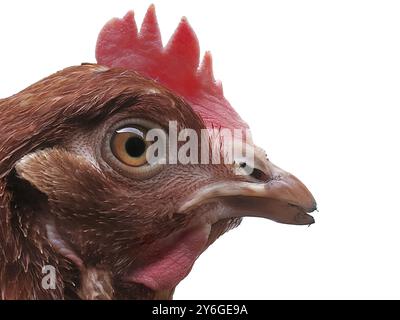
(319, 84)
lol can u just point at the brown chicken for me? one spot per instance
(77, 193)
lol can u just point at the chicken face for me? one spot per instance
(124, 227)
(79, 192)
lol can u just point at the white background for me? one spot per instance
(319, 84)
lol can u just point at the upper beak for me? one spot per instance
(275, 194)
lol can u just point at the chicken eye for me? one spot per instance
(129, 146)
(134, 148)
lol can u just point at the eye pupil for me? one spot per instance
(135, 147)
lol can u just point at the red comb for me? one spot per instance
(175, 66)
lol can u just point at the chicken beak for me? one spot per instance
(277, 195)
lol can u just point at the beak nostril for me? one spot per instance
(259, 175)
(253, 172)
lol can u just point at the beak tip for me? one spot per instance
(314, 207)
(310, 219)
(303, 218)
